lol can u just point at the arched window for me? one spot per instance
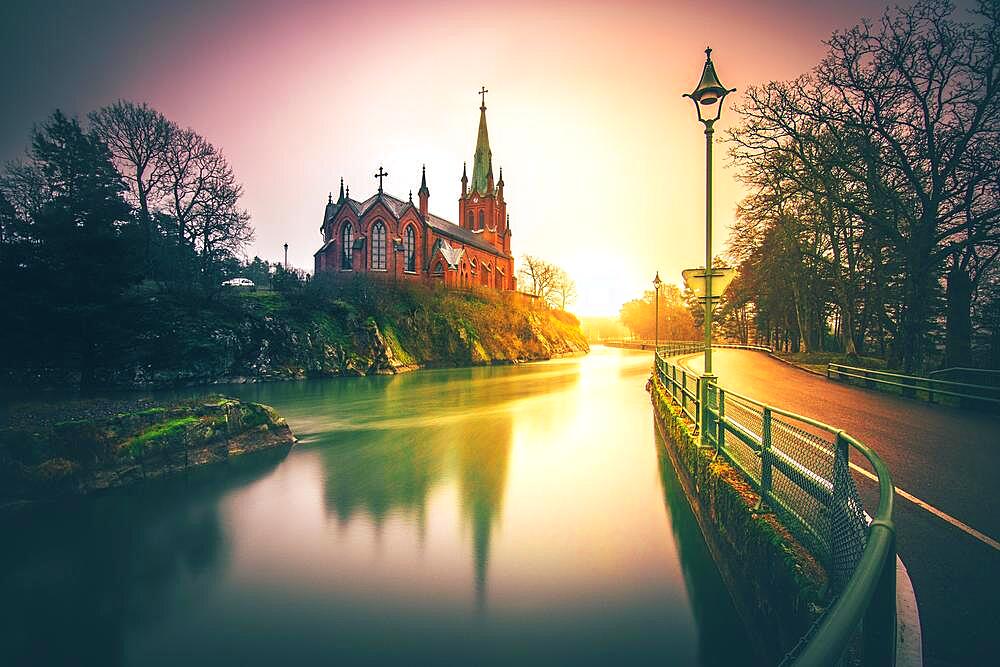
(482, 218)
(439, 269)
(346, 246)
(410, 246)
(470, 221)
(378, 246)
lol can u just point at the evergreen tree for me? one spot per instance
(77, 255)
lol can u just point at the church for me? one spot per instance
(387, 236)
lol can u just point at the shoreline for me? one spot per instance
(53, 395)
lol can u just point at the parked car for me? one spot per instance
(240, 283)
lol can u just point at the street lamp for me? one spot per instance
(657, 283)
(709, 91)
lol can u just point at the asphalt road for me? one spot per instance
(946, 457)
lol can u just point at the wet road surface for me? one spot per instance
(946, 457)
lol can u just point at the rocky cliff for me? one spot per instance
(316, 329)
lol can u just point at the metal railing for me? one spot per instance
(984, 376)
(801, 469)
(913, 385)
(648, 343)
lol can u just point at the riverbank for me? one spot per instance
(321, 328)
(49, 450)
(778, 587)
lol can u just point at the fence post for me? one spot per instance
(720, 425)
(765, 459)
(707, 393)
(684, 384)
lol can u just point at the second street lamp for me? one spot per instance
(656, 316)
(709, 91)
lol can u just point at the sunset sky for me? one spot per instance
(603, 159)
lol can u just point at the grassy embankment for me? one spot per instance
(321, 328)
(817, 361)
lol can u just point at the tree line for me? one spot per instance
(100, 217)
(873, 223)
(676, 321)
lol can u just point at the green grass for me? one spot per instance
(818, 361)
(159, 433)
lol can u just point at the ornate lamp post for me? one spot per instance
(709, 91)
(657, 283)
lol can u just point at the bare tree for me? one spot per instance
(563, 290)
(537, 277)
(193, 168)
(220, 227)
(891, 145)
(138, 137)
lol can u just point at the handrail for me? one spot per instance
(988, 371)
(874, 572)
(867, 596)
(643, 342)
(914, 383)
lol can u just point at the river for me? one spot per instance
(517, 514)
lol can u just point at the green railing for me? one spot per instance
(648, 343)
(801, 469)
(974, 395)
(983, 376)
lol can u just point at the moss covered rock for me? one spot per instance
(113, 448)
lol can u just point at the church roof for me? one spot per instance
(456, 233)
(397, 207)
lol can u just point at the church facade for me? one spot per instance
(402, 240)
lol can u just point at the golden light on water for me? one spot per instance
(534, 499)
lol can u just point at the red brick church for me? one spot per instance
(387, 236)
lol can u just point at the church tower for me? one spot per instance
(481, 208)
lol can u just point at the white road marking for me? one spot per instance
(964, 527)
(944, 516)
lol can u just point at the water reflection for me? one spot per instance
(410, 434)
(78, 576)
(484, 516)
(708, 592)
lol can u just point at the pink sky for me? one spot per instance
(603, 159)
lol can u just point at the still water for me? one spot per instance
(492, 515)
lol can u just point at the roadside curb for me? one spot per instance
(909, 636)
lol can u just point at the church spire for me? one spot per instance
(340, 200)
(465, 180)
(423, 181)
(424, 192)
(482, 165)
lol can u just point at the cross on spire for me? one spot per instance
(482, 93)
(380, 174)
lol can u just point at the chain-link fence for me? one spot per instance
(802, 471)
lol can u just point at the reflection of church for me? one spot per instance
(386, 236)
(378, 473)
